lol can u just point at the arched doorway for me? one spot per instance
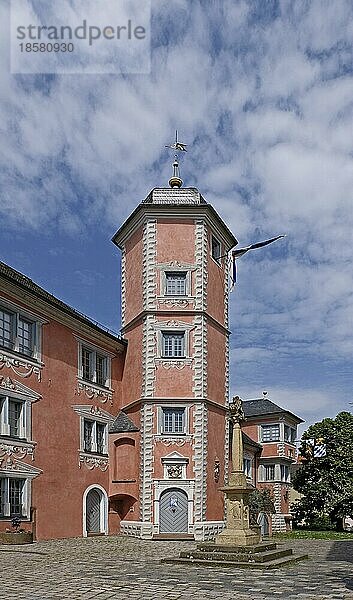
(173, 511)
(95, 512)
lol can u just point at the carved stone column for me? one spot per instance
(237, 531)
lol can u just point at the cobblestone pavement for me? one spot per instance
(129, 569)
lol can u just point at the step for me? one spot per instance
(173, 536)
(258, 557)
(237, 549)
(273, 564)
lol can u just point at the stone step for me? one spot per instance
(207, 547)
(272, 564)
(258, 557)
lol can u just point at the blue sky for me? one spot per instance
(262, 92)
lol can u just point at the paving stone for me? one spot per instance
(129, 569)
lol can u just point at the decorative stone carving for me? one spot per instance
(93, 462)
(174, 302)
(94, 392)
(216, 470)
(173, 441)
(200, 460)
(146, 461)
(178, 364)
(175, 471)
(20, 366)
(17, 451)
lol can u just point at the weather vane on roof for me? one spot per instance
(175, 180)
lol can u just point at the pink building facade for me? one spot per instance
(175, 386)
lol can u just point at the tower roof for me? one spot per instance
(185, 203)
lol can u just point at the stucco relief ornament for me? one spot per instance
(92, 392)
(20, 367)
(174, 302)
(174, 471)
(94, 462)
(18, 451)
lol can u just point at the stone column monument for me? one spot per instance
(237, 531)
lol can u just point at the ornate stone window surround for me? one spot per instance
(160, 419)
(13, 390)
(173, 327)
(14, 469)
(96, 415)
(91, 387)
(174, 466)
(175, 267)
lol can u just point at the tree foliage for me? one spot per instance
(327, 482)
(260, 501)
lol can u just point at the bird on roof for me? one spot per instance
(178, 146)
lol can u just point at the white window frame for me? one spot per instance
(215, 240)
(27, 473)
(168, 276)
(267, 426)
(89, 413)
(284, 478)
(272, 467)
(180, 335)
(160, 421)
(293, 434)
(173, 327)
(26, 412)
(82, 344)
(248, 467)
(17, 313)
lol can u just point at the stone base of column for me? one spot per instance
(238, 537)
(237, 531)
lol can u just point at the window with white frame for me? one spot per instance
(175, 283)
(94, 365)
(270, 433)
(12, 497)
(17, 332)
(94, 437)
(173, 420)
(290, 434)
(215, 249)
(247, 465)
(173, 344)
(285, 473)
(269, 473)
(13, 417)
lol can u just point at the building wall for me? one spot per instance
(57, 492)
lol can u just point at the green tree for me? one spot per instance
(326, 482)
(260, 501)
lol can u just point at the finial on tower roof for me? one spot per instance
(175, 180)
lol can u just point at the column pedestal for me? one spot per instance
(237, 531)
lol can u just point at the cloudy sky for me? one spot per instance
(263, 93)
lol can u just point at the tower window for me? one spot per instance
(175, 283)
(215, 249)
(173, 344)
(173, 420)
